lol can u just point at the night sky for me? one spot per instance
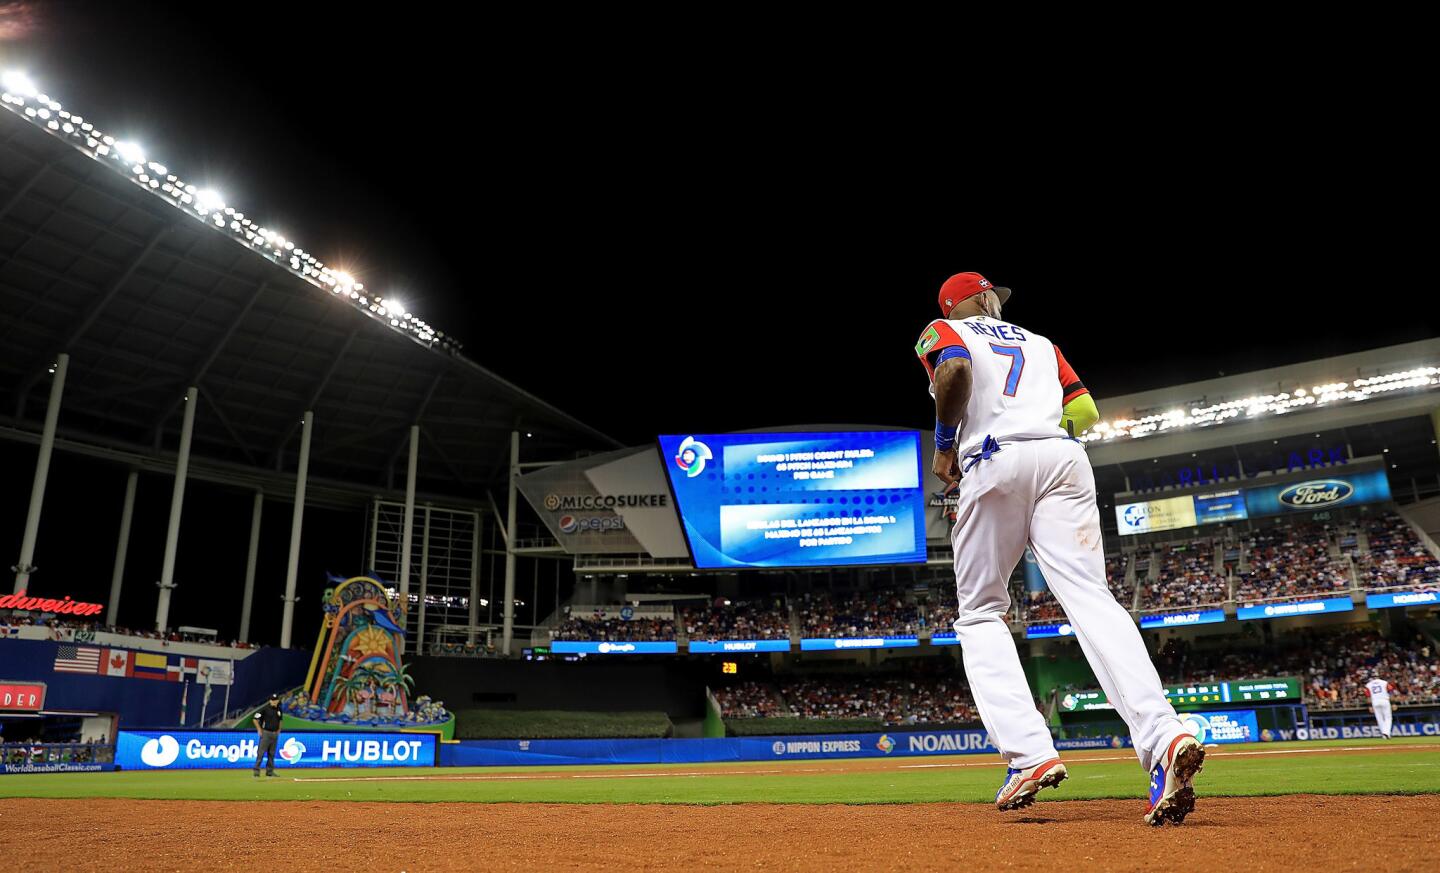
(662, 238)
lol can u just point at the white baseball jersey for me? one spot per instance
(1378, 689)
(1037, 490)
(1020, 381)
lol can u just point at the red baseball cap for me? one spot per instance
(965, 285)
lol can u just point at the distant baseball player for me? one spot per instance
(1379, 692)
(1007, 409)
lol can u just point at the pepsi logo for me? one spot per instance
(568, 524)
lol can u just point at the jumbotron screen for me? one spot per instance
(798, 499)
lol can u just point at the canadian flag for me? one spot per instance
(117, 662)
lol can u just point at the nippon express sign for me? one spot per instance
(235, 750)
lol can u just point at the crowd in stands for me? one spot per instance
(737, 620)
(1187, 578)
(895, 700)
(1397, 558)
(93, 751)
(858, 614)
(750, 700)
(1115, 577)
(1041, 606)
(68, 630)
(1334, 665)
(1291, 561)
(591, 627)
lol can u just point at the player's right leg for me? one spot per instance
(1383, 719)
(988, 539)
(1065, 536)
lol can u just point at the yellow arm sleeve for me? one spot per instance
(1079, 415)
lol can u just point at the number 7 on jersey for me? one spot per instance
(1016, 354)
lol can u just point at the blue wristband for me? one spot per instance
(944, 435)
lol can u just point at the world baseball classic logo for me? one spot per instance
(692, 456)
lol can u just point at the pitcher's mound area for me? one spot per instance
(1298, 832)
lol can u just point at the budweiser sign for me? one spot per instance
(25, 696)
(20, 600)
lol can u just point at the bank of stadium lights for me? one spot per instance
(19, 94)
(1261, 405)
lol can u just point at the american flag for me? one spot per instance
(75, 659)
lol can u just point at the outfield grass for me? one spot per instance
(970, 778)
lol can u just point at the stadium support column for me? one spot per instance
(250, 561)
(127, 512)
(24, 567)
(474, 580)
(177, 503)
(292, 570)
(424, 582)
(509, 605)
(407, 537)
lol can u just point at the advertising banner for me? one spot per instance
(946, 639)
(1182, 619)
(1303, 607)
(799, 499)
(1220, 506)
(1152, 515)
(827, 644)
(56, 767)
(1401, 598)
(482, 753)
(1045, 631)
(22, 696)
(591, 647)
(708, 647)
(235, 750)
(1321, 493)
(1223, 726)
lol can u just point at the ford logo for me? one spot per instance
(1322, 492)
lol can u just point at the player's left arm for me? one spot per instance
(1078, 410)
(953, 381)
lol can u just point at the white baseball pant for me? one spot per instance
(1382, 715)
(1043, 492)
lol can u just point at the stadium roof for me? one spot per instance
(150, 292)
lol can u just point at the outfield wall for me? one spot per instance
(488, 753)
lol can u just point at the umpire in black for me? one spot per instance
(267, 724)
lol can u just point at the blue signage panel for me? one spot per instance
(799, 499)
(1402, 598)
(1304, 607)
(1220, 506)
(235, 750)
(1320, 493)
(593, 647)
(1182, 619)
(1044, 631)
(715, 647)
(945, 639)
(830, 645)
(483, 753)
(1223, 726)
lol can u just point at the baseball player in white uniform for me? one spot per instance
(1379, 691)
(1007, 409)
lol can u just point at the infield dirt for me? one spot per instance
(1297, 832)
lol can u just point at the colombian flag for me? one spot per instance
(148, 666)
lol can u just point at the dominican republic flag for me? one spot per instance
(77, 659)
(148, 666)
(117, 662)
(189, 666)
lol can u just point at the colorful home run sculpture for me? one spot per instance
(356, 677)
